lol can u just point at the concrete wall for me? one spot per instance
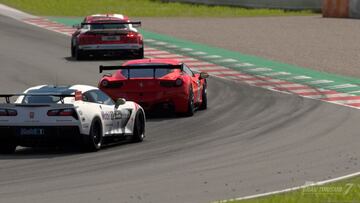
(280, 4)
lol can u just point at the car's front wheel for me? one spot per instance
(93, 141)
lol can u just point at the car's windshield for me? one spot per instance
(145, 73)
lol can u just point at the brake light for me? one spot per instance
(63, 112)
(131, 35)
(8, 112)
(86, 38)
(66, 112)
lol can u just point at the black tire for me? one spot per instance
(7, 148)
(72, 50)
(93, 141)
(191, 105)
(140, 53)
(139, 127)
(203, 105)
(79, 55)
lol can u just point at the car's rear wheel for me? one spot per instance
(203, 105)
(93, 141)
(139, 127)
(140, 53)
(191, 105)
(7, 148)
(79, 54)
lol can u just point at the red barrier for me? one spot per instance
(335, 8)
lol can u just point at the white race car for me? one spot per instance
(57, 115)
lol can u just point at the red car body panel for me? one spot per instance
(153, 93)
(101, 34)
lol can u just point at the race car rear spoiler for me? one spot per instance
(113, 23)
(145, 66)
(77, 95)
(154, 67)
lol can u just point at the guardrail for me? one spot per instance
(275, 4)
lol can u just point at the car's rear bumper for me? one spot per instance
(40, 135)
(110, 47)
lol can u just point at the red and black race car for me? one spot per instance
(107, 34)
(157, 84)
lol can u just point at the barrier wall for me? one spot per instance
(276, 4)
(354, 11)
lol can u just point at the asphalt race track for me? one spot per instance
(249, 141)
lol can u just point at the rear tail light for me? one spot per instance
(8, 112)
(132, 35)
(86, 38)
(113, 84)
(63, 112)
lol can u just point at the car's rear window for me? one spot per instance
(108, 26)
(30, 99)
(41, 100)
(145, 73)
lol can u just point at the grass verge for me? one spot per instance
(138, 8)
(345, 191)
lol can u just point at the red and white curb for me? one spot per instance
(266, 82)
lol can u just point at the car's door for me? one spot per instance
(195, 82)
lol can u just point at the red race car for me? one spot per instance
(105, 34)
(157, 84)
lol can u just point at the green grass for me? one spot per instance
(138, 8)
(345, 191)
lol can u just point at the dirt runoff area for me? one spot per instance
(325, 44)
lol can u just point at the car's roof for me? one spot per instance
(153, 61)
(59, 89)
(106, 17)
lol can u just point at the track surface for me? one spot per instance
(249, 141)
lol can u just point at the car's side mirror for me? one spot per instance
(120, 102)
(203, 75)
(77, 26)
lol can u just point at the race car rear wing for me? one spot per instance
(77, 96)
(112, 23)
(153, 67)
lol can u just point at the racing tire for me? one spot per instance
(140, 53)
(72, 50)
(7, 148)
(139, 127)
(203, 105)
(93, 141)
(191, 105)
(78, 54)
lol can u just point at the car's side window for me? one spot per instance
(97, 96)
(102, 98)
(188, 71)
(88, 97)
